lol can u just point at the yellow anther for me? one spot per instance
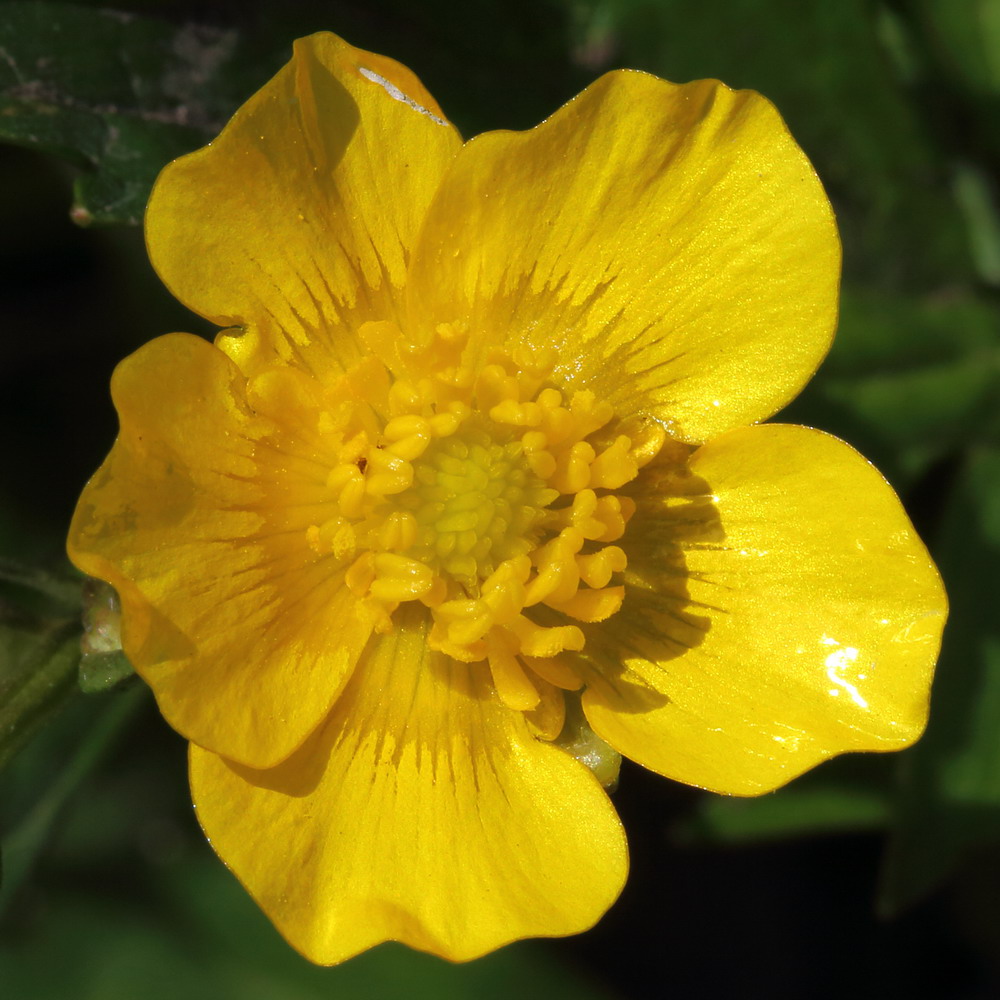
(399, 531)
(568, 541)
(532, 441)
(398, 578)
(438, 639)
(516, 570)
(407, 436)
(504, 591)
(592, 605)
(340, 475)
(517, 414)
(538, 641)
(436, 595)
(613, 512)
(558, 424)
(573, 468)
(466, 621)
(513, 684)
(541, 463)
(382, 461)
(597, 567)
(409, 448)
(445, 424)
(615, 466)
(361, 573)
(387, 474)
(558, 576)
(581, 515)
(352, 495)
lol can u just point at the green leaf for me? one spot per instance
(39, 648)
(116, 95)
(949, 801)
(790, 812)
(883, 333)
(59, 590)
(195, 933)
(913, 379)
(23, 846)
(975, 197)
(965, 36)
(38, 670)
(848, 794)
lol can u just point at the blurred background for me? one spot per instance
(870, 877)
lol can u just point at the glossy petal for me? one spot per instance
(780, 610)
(672, 243)
(297, 221)
(423, 811)
(244, 633)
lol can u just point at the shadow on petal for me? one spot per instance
(295, 777)
(658, 620)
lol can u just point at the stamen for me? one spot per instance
(485, 496)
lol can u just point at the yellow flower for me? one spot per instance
(479, 442)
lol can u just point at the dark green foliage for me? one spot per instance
(113, 94)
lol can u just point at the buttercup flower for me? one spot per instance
(477, 451)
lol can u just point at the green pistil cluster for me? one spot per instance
(476, 503)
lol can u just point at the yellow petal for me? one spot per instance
(296, 222)
(245, 634)
(781, 612)
(423, 811)
(672, 244)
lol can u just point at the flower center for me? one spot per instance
(474, 503)
(486, 495)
